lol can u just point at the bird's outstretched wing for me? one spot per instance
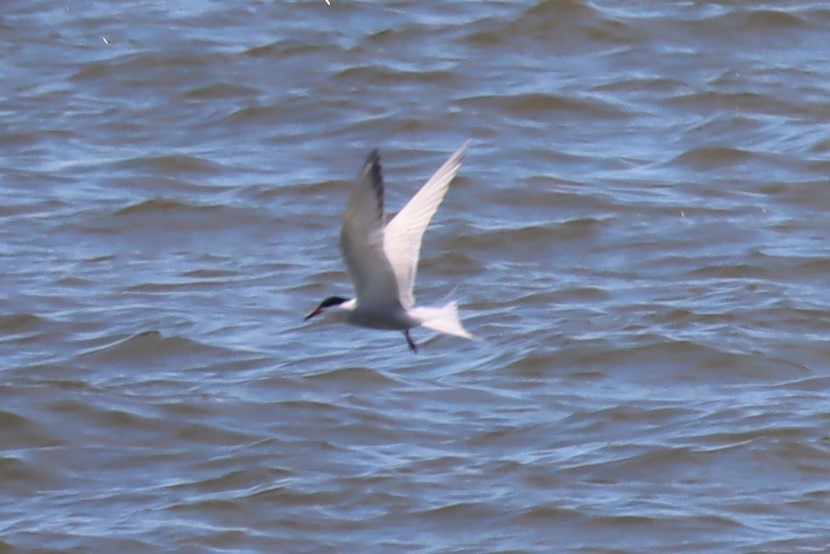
(402, 236)
(361, 240)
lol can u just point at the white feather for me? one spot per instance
(404, 234)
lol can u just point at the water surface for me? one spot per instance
(639, 236)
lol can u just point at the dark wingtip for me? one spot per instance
(374, 172)
(374, 157)
(374, 168)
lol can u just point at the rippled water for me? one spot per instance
(639, 232)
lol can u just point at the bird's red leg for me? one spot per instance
(412, 345)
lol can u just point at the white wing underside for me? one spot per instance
(383, 259)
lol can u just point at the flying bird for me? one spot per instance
(382, 258)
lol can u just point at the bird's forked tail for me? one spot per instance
(443, 319)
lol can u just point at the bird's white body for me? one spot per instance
(382, 258)
(391, 320)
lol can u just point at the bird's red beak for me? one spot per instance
(312, 313)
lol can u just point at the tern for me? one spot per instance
(382, 258)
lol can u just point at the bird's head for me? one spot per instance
(329, 302)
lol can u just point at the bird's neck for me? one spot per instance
(342, 312)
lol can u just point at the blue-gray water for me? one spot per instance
(639, 236)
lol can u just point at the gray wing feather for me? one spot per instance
(362, 239)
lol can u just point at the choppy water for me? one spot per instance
(640, 232)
